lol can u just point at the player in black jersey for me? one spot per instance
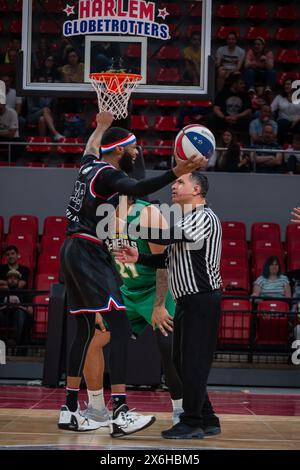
(90, 277)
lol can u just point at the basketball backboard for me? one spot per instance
(168, 43)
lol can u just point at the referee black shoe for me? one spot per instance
(211, 425)
(183, 431)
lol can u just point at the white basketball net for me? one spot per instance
(113, 91)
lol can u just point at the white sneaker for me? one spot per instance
(100, 416)
(126, 422)
(75, 421)
(176, 415)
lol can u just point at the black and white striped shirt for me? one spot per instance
(193, 254)
(194, 267)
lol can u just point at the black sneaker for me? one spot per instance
(212, 425)
(183, 431)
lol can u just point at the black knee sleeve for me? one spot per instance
(83, 337)
(118, 325)
(172, 380)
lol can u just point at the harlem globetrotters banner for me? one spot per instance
(112, 17)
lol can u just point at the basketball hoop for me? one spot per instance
(113, 91)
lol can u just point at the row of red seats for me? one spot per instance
(257, 12)
(236, 323)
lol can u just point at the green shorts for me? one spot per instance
(139, 307)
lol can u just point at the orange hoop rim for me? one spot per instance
(133, 77)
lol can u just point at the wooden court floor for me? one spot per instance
(248, 421)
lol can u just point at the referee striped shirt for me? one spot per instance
(194, 267)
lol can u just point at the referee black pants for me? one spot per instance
(196, 324)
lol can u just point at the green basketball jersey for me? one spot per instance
(134, 276)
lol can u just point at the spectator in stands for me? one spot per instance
(256, 126)
(73, 71)
(229, 59)
(9, 124)
(267, 161)
(292, 159)
(15, 313)
(13, 101)
(272, 283)
(232, 107)
(192, 57)
(48, 72)
(41, 53)
(12, 254)
(231, 159)
(259, 65)
(288, 112)
(40, 112)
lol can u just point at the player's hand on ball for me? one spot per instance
(104, 119)
(196, 162)
(162, 320)
(296, 215)
(128, 254)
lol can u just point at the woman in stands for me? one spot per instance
(259, 65)
(272, 283)
(231, 159)
(288, 113)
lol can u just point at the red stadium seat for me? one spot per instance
(174, 30)
(228, 12)
(49, 27)
(18, 5)
(24, 225)
(202, 103)
(71, 149)
(286, 13)
(54, 6)
(169, 52)
(232, 230)
(193, 28)
(172, 8)
(36, 164)
(195, 9)
(48, 264)
(235, 281)
(139, 123)
(167, 75)
(257, 12)
(235, 323)
(163, 152)
(287, 34)
(292, 232)
(288, 56)
(3, 6)
(40, 316)
(233, 262)
(55, 226)
(134, 51)
(282, 76)
(140, 102)
(66, 165)
(15, 27)
(272, 329)
(44, 281)
(165, 123)
(164, 103)
(268, 245)
(234, 250)
(265, 231)
(223, 31)
(38, 148)
(256, 32)
(51, 244)
(294, 260)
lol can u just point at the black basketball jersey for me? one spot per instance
(84, 201)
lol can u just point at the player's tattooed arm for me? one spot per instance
(161, 287)
(104, 121)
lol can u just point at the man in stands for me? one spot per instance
(257, 125)
(12, 255)
(268, 157)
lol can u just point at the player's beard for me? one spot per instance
(126, 163)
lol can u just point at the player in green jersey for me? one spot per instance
(147, 300)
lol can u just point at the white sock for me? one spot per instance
(177, 404)
(96, 399)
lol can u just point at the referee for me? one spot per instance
(193, 262)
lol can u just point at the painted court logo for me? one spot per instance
(112, 17)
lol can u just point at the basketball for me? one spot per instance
(193, 139)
